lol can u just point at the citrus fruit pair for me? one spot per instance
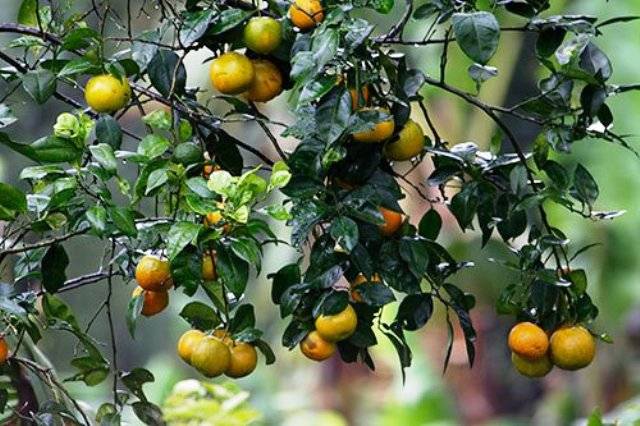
(233, 73)
(154, 302)
(320, 344)
(217, 354)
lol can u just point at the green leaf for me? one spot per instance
(123, 219)
(414, 311)
(225, 149)
(195, 25)
(39, 84)
(266, 350)
(52, 149)
(233, 271)
(12, 201)
(157, 178)
(135, 379)
(148, 413)
(97, 217)
(200, 316)
(180, 236)
(77, 66)
(134, 309)
(477, 34)
(248, 250)
(103, 154)
(244, 318)
(159, 119)
(167, 73)
(108, 131)
(27, 14)
(585, 185)
(228, 20)
(53, 267)
(332, 115)
(153, 146)
(375, 294)
(430, 224)
(345, 232)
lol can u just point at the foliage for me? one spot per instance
(87, 180)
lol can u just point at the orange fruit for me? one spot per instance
(359, 98)
(359, 280)
(231, 73)
(153, 273)
(4, 350)
(380, 132)
(223, 335)
(528, 341)
(267, 83)
(316, 348)
(211, 356)
(187, 344)
(408, 143)
(154, 302)
(532, 368)
(263, 34)
(107, 93)
(244, 359)
(572, 347)
(392, 222)
(209, 267)
(340, 326)
(306, 14)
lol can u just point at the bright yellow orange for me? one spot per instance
(187, 343)
(209, 267)
(316, 348)
(361, 99)
(392, 222)
(244, 359)
(211, 356)
(306, 14)
(408, 143)
(380, 132)
(231, 73)
(572, 347)
(340, 326)
(154, 302)
(263, 34)
(360, 280)
(153, 273)
(4, 350)
(107, 93)
(532, 368)
(528, 341)
(267, 83)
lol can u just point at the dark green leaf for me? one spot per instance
(54, 264)
(167, 73)
(39, 84)
(477, 34)
(200, 316)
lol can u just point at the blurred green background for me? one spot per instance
(296, 391)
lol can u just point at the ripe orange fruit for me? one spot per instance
(231, 73)
(267, 83)
(223, 335)
(340, 326)
(154, 302)
(316, 348)
(4, 350)
(209, 267)
(107, 93)
(528, 341)
(572, 347)
(153, 273)
(244, 359)
(213, 218)
(359, 280)
(531, 368)
(187, 343)
(305, 14)
(359, 98)
(211, 356)
(392, 222)
(408, 143)
(263, 34)
(380, 132)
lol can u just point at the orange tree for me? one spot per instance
(184, 205)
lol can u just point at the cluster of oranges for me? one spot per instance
(320, 344)
(217, 353)
(153, 275)
(533, 353)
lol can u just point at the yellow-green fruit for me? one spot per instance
(267, 83)
(408, 144)
(188, 342)
(263, 34)
(340, 326)
(531, 368)
(106, 93)
(572, 347)
(231, 73)
(244, 359)
(211, 356)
